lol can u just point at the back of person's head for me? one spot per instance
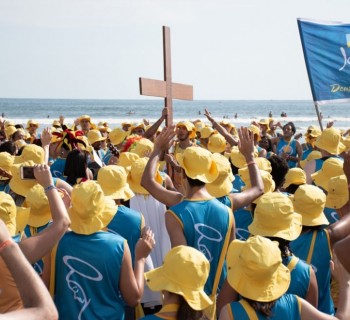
(8, 146)
(198, 164)
(256, 272)
(184, 272)
(279, 170)
(75, 167)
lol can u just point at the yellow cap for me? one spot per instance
(338, 192)
(331, 167)
(294, 176)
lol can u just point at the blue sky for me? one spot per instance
(97, 49)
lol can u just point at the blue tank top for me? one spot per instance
(286, 307)
(331, 215)
(32, 231)
(206, 226)
(299, 276)
(319, 162)
(226, 200)
(243, 218)
(292, 151)
(127, 223)
(57, 168)
(238, 183)
(87, 276)
(320, 258)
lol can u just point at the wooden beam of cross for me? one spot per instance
(166, 89)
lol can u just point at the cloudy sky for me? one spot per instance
(97, 49)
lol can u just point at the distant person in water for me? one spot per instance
(236, 115)
(270, 114)
(283, 114)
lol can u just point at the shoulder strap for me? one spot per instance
(292, 263)
(248, 309)
(312, 246)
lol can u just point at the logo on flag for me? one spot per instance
(326, 49)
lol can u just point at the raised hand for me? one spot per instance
(163, 140)
(246, 143)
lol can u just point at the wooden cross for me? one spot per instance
(166, 89)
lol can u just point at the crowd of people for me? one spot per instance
(198, 220)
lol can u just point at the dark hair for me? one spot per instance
(264, 308)
(76, 164)
(185, 312)
(292, 188)
(283, 245)
(8, 146)
(294, 129)
(279, 170)
(195, 182)
(269, 146)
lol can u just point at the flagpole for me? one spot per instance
(318, 115)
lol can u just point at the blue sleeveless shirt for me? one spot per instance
(286, 307)
(205, 225)
(320, 257)
(127, 223)
(87, 276)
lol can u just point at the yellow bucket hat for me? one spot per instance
(263, 164)
(135, 176)
(330, 140)
(264, 122)
(85, 117)
(294, 176)
(274, 216)
(338, 192)
(95, 136)
(36, 200)
(255, 269)
(9, 131)
(269, 183)
(113, 181)
(32, 122)
(217, 143)
(6, 161)
(332, 167)
(199, 125)
(255, 130)
(9, 123)
(198, 163)
(8, 212)
(117, 136)
(313, 155)
(142, 147)
(19, 185)
(237, 158)
(126, 159)
(22, 217)
(185, 271)
(222, 185)
(91, 211)
(189, 126)
(56, 124)
(309, 201)
(31, 152)
(206, 132)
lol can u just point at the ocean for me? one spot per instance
(301, 112)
